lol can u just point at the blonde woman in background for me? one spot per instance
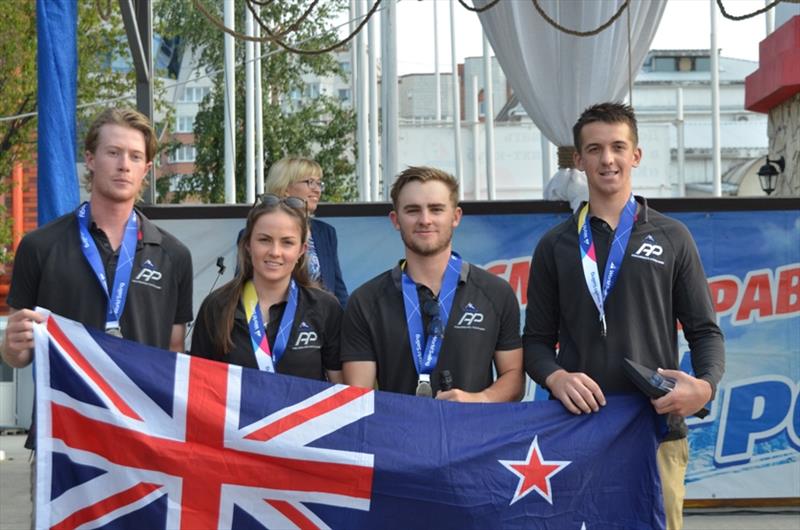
(302, 177)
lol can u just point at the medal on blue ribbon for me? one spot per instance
(425, 347)
(267, 358)
(599, 291)
(122, 276)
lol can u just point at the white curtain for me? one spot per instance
(556, 75)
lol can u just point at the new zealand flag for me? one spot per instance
(136, 437)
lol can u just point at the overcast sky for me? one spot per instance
(685, 25)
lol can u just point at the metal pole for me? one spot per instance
(547, 171)
(374, 161)
(389, 88)
(249, 111)
(144, 89)
(437, 75)
(770, 18)
(230, 108)
(456, 102)
(679, 124)
(353, 58)
(715, 152)
(476, 133)
(362, 108)
(259, 113)
(137, 18)
(488, 99)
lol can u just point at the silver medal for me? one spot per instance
(116, 332)
(424, 389)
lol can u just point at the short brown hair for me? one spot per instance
(608, 112)
(424, 174)
(124, 117)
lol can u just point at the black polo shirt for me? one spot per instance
(313, 345)
(51, 271)
(484, 319)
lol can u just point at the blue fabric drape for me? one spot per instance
(56, 24)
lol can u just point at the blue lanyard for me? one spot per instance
(267, 359)
(122, 276)
(425, 358)
(615, 256)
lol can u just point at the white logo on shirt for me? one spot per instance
(649, 249)
(306, 337)
(470, 318)
(148, 276)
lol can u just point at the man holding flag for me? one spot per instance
(105, 264)
(652, 277)
(136, 437)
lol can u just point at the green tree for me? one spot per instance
(101, 39)
(17, 98)
(320, 129)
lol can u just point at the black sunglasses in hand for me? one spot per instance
(430, 308)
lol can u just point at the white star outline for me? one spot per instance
(518, 494)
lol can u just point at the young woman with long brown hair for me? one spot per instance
(271, 316)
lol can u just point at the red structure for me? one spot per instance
(778, 76)
(23, 211)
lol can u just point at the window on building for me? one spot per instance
(184, 124)
(685, 64)
(184, 153)
(194, 94)
(312, 90)
(344, 94)
(175, 180)
(702, 64)
(345, 66)
(664, 64)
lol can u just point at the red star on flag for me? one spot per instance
(534, 473)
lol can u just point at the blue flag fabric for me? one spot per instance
(135, 437)
(56, 23)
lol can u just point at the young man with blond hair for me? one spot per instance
(612, 282)
(105, 264)
(433, 312)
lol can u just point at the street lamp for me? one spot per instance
(768, 174)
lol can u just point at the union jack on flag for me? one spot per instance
(135, 437)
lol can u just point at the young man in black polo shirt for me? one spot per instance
(433, 312)
(60, 265)
(611, 282)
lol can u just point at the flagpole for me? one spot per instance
(362, 108)
(389, 138)
(249, 111)
(456, 103)
(230, 107)
(715, 150)
(488, 98)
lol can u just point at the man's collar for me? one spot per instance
(150, 233)
(397, 273)
(642, 211)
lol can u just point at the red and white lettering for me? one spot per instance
(787, 300)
